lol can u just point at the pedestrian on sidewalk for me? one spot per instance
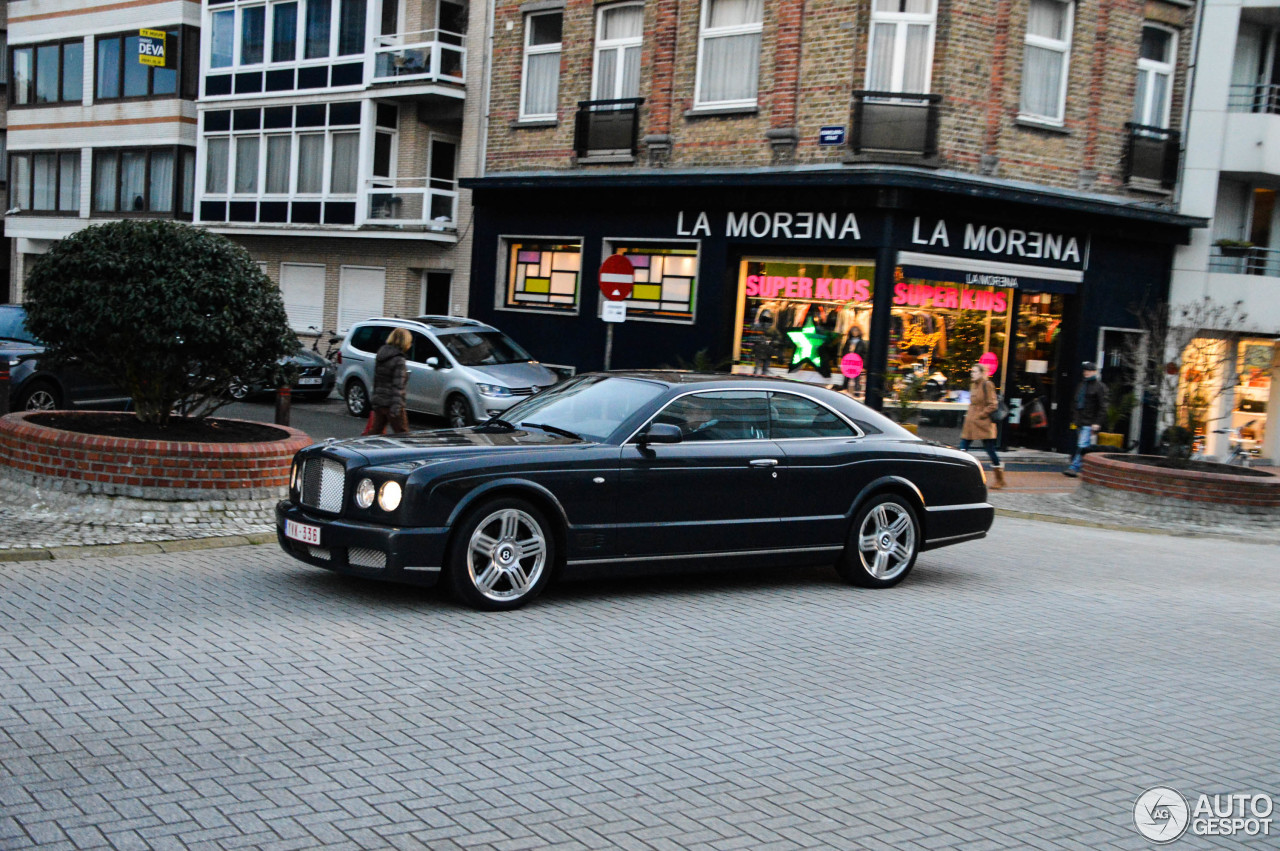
(1090, 409)
(390, 377)
(978, 424)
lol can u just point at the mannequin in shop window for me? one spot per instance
(978, 424)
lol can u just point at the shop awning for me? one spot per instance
(962, 270)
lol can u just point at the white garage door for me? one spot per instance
(360, 294)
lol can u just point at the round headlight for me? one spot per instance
(364, 493)
(389, 496)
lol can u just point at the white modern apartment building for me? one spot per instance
(330, 140)
(1232, 175)
(93, 134)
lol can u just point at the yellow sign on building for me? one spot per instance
(151, 47)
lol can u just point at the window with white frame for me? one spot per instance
(729, 52)
(900, 50)
(540, 82)
(302, 289)
(256, 33)
(1046, 60)
(666, 278)
(283, 151)
(543, 274)
(619, 30)
(361, 293)
(1155, 76)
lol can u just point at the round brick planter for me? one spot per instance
(1119, 482)
(147, 469)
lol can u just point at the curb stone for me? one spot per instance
(1120, 527)
(180, 545)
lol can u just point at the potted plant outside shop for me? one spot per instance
(1119, 406)
(907, 405)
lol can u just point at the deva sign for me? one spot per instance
(151, 48)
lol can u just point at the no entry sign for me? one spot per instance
(617, 277)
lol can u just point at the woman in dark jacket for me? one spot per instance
(390, 375)
(978, 424)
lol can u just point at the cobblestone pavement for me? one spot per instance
(1018, 692)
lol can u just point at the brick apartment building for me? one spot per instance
(330, 142)
(944, 180)
(92, 133)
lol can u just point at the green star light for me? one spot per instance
(807, 340)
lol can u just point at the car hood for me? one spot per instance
(448, 444)
(304, 357)
(19, 349)
(514, 374)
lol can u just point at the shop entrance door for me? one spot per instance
(1032, 373)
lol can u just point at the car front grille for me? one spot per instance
(322, 484)
(523, 391)
(311, 371)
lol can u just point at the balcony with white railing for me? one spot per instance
(416, 202)
(428, 56)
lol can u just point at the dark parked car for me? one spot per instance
(610, 472)
(33, 385)
(314, 378)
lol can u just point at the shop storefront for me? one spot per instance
(881, 300)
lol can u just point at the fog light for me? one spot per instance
(364, 493)
(389, 496)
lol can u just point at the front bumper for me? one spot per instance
(391, 553)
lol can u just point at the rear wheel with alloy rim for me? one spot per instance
(501, 556)
(883, 545)
(237, 389)
(357, 398)
(458, 412)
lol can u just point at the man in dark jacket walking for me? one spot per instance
(1090, 410)
(390, 376)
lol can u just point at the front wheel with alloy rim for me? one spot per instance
(458, 412)
(883, 544)
(41, 396)
(357, 398)
(501, 555)
(237, 389)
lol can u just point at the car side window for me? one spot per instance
(370, 338)
(719, 415)
(423, 348)
(796, 416)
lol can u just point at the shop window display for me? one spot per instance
(937, 332)
(665, 280)
(1253, 370)
(543, 275)
(799, 318)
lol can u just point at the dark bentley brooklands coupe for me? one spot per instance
(611, 472)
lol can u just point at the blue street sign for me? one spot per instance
(831, 135)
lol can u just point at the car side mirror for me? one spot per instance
(661, 433)
(433, 362)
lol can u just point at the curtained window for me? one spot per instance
(1046, 59)
(900, 49)
(351, 19)
(1155, 77)
(729, 52)
(279, 153)
(618, 39)
(284, 31)
(311, 163)
(247, 165)
(160, 191)
(319, 16)
(253, 22)
(541, 80)
(217, 151)
(342, 177)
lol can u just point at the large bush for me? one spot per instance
(170, 313)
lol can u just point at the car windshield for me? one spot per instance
(13, 325)
(592, 406)
(484, 348)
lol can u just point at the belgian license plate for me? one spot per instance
(310, 379)
(304, 532)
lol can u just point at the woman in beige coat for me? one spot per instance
(978, 424)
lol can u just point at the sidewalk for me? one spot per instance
(42, 525)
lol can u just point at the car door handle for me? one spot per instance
(765, 462)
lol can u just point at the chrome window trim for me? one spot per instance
(857, 432)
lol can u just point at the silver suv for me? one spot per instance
(460, 369)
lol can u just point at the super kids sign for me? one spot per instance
(927, 295)
(835, 289)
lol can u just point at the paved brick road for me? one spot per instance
(1017, 693)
